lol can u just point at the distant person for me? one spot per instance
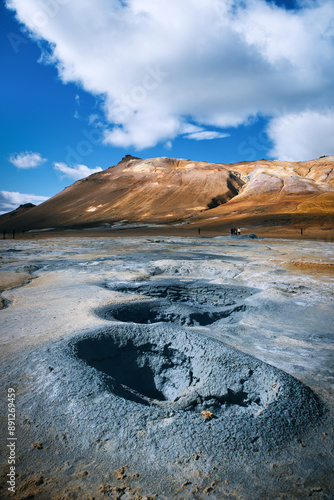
(13, 233)
(199, 230)
(239, 231)
(231, 231)
(301, 231)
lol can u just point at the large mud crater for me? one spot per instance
(182, 372)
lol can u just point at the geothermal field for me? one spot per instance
(167, 367)
(167, 320)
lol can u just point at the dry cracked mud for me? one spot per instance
(138, 375)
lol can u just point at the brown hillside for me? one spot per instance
(165, 191)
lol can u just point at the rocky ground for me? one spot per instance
(166, 367)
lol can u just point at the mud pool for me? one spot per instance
(169, 368)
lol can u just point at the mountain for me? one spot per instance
(6, 219)
(278, 194)
(175, 191)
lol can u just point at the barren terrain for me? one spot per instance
(165, 367)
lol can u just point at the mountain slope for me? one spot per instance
(165, 191)
(6, 219)
(158, 190)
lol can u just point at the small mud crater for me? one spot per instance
(156, 311)
(187, 303)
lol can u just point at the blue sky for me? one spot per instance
(84, 83)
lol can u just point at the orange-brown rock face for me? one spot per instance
(153, 190)
(281, 193)
(164, 190)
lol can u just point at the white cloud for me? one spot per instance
(95, 120)
(197, 133)
(161, 65)
(27, 160)
(305, 135)
(77, 172)
(206, 135)
(11, 200)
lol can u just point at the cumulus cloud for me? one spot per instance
(309, 134)
(77, 172)
(27, 160)
(158, 66)
(11, 200)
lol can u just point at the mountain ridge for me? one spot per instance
(169, 191)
